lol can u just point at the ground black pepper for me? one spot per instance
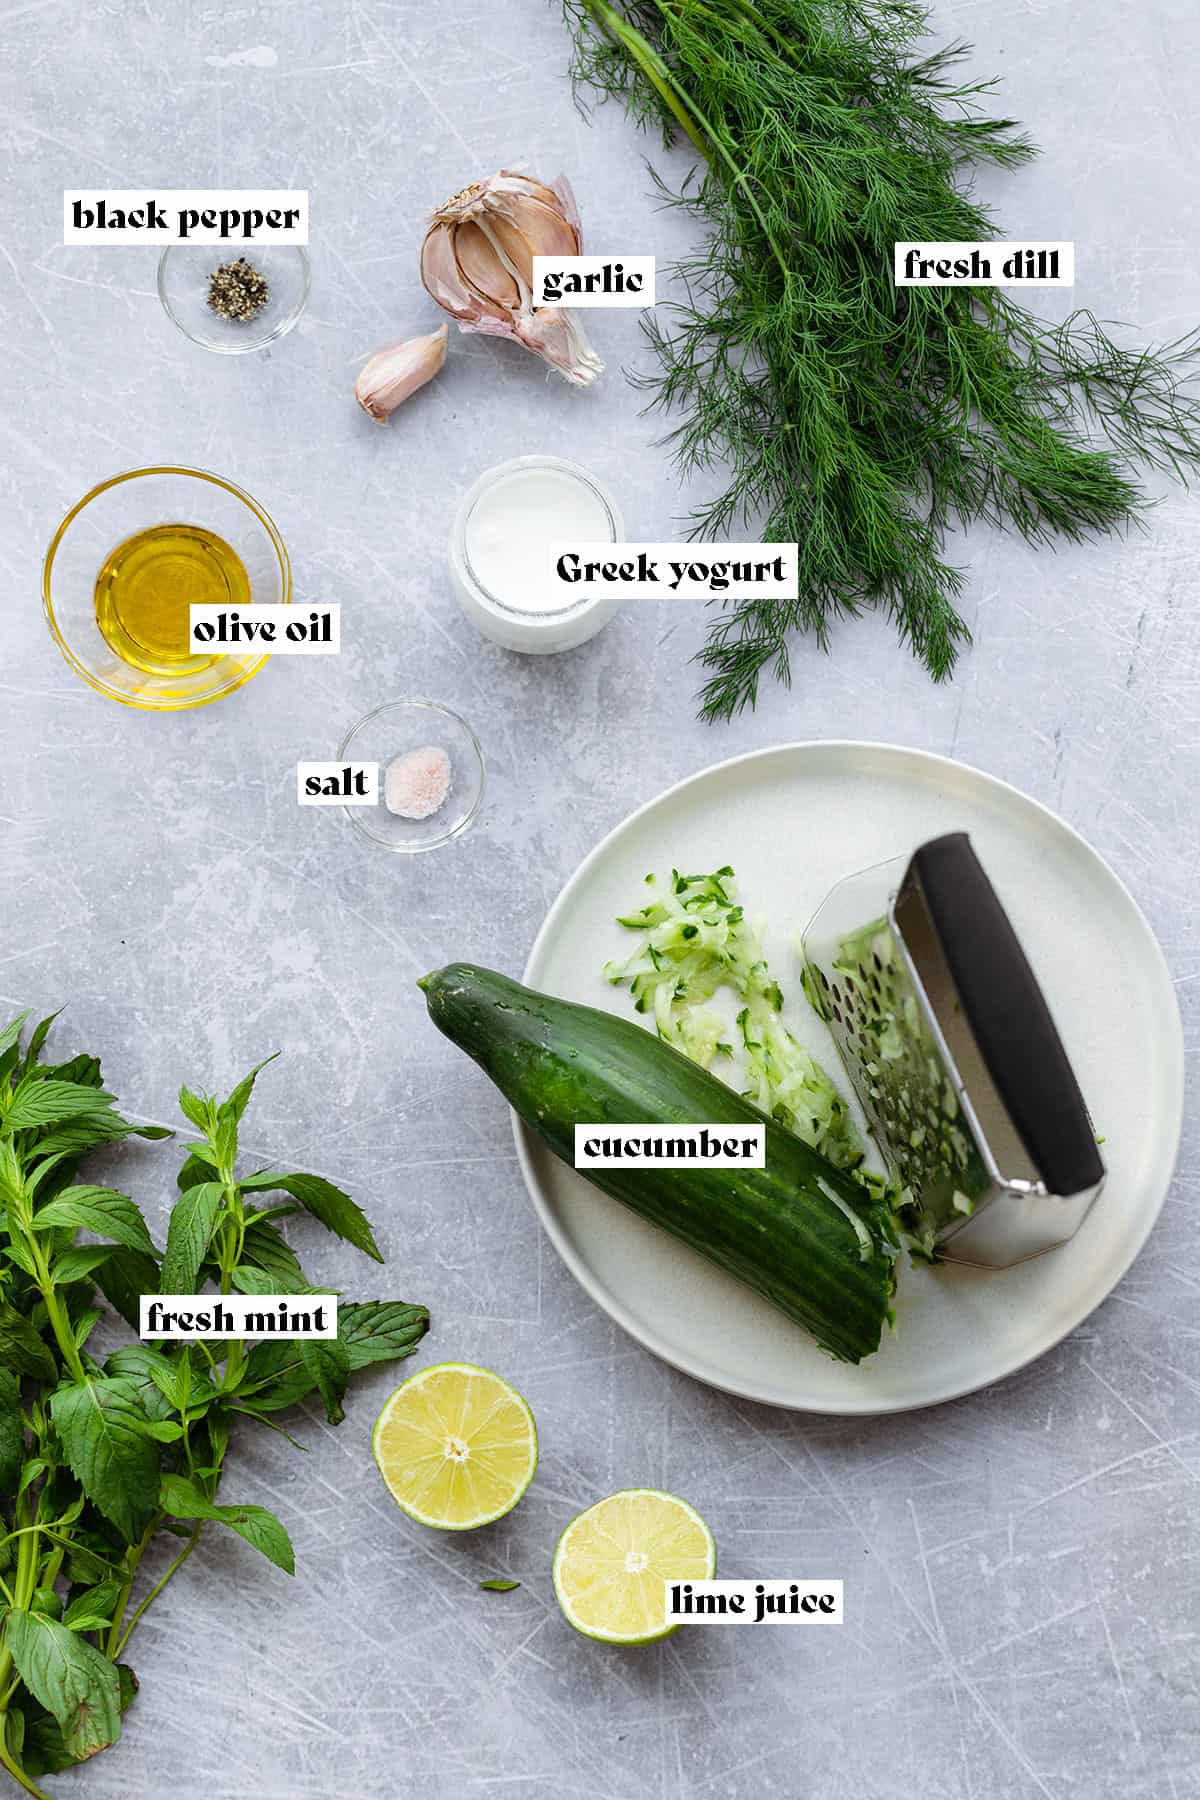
(238, 291)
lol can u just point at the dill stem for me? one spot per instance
(764, 26)
(683, 107)
(651, 64)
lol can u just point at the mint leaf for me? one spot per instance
(275, 1376)
(102, 1210)
(73, 1136)
(335, 1209)
(193, 1218)
(225, 1138)
(21, 1348)
(114, 1462)
(73, 1681)
(10, 1039)
(12, 1434)
(499, 1587)
(38, 1102)
(197, 1110)
(30, 1472)
(123, 1278)
(163, 1431)
(236, 1102)
(37, 1039)
(97, 1603)
(79, 1262)
(262, 1529)
(263, 1246)
(19, 1254)
(380, 1330)
(328, 1362)
(184, 1500)
(84, 1070)
(43, 1751)
(83, 1327)
(249, 1280)
(158, 1380)
(196, 1169)
(202, 1153)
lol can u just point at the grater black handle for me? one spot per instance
(1008, 1015)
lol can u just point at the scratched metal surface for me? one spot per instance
(1020, 1566)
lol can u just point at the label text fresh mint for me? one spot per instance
(237, 1316)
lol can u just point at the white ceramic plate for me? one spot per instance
(792, 821)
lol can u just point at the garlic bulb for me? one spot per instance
(477, 263)
(391, 375)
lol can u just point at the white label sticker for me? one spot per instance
(237, 1316)
(577, 281)
(337, 784)
(281, 630)
(670, 1146)
(775, 1602)
(984, 265)
(185, 216)
(671, 571)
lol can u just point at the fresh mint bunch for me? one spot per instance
(98, 1460)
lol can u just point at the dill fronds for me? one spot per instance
(855, 419)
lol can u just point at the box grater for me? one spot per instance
(951, 1049)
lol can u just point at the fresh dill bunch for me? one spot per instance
(854, 418)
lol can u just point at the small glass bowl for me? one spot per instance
(119, 509)
(404, 725)
(183, 272)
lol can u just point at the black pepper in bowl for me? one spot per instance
(238, 291)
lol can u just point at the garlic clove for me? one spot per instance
(511, 181)
(482, 269)
(391, 375)
(557, 336)
(525, 228)
(441, 276)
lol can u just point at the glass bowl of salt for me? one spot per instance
(431, 774)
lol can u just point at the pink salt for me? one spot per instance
(416, 784)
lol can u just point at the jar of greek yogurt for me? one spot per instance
(499, 552)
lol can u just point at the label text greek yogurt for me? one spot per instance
(673, 571)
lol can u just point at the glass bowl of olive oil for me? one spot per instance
(129, 560)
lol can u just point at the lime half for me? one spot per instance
(613, 1563)
(456, 1446)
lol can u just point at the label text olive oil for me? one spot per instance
(147, 584)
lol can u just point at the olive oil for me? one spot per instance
(147, 584)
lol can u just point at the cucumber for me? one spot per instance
(801, 1232)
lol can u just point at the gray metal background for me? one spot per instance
(1022, 1564)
